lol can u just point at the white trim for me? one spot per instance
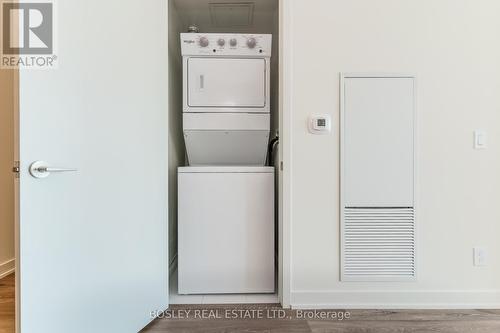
(405, 299)
(167, 126)
(7, 273)
(285, 130)
(343, 76)
(375, 75)
(17, 209)
(7, 267)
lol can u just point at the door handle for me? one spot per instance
(39, 169)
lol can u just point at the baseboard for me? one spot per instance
(173, 266)
(408, 299)
(7, 267)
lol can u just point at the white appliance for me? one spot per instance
(226, 195)
(378, 241)
(226, 98)
(226, 230)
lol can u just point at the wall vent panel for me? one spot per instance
(377, 176)
(378, 244)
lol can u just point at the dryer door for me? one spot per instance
(226, 83)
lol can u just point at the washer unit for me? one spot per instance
(226, 98)
(226, 230)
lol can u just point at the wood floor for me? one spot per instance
(360, 321)
(238, 318)
(7, 304)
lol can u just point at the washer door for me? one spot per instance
(222, 82)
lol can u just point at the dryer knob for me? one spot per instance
(251, 42)
(221, 42)
(233, 42)
(203, 41)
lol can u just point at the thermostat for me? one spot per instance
(321, 124)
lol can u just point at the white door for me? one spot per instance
(218, 82)
(93, 243)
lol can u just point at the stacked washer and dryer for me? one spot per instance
(226, 194)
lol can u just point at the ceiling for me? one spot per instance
(230, 16)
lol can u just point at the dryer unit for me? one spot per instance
(226, 100)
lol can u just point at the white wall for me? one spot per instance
(453, 48)
(6, 175)
(176, 140)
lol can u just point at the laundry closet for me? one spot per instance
(223, 151)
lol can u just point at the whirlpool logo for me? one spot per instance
(28, 34)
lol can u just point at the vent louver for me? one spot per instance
(378, 244)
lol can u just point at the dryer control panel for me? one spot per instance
(215, 44)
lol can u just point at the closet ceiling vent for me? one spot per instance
(232, 15)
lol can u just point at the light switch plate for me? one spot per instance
(480, 256)
(480, 139)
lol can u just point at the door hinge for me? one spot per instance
(281, 165)
(16, 168)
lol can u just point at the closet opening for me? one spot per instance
(223, 151)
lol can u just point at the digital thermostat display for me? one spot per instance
(320, 124)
